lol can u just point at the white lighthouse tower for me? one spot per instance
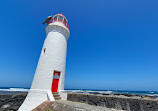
(50, 72)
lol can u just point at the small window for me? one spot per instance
(44, 50)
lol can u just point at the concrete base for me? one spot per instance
(61, 105)
(35, 98)
(63, 95)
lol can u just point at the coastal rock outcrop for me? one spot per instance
(11, 102)
(117, 101)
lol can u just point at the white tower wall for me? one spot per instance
(54, 58)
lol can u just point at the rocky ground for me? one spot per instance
(126, 102)
(11, 101)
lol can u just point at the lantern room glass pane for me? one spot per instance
(55, 18)
(60, 17)
(65, 20)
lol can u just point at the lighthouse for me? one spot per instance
(49, 77)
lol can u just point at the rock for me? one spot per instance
(117, 101)
(5, 106)
(11, 101)
(14, 108)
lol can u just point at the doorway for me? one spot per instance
(55, 83)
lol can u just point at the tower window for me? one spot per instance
(44, 50)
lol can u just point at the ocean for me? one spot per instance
(149, 93)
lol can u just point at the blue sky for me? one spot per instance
(113, 43)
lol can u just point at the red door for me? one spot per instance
(55, 82)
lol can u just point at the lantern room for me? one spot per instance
(57, 18)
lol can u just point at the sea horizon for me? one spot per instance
(94, 91)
